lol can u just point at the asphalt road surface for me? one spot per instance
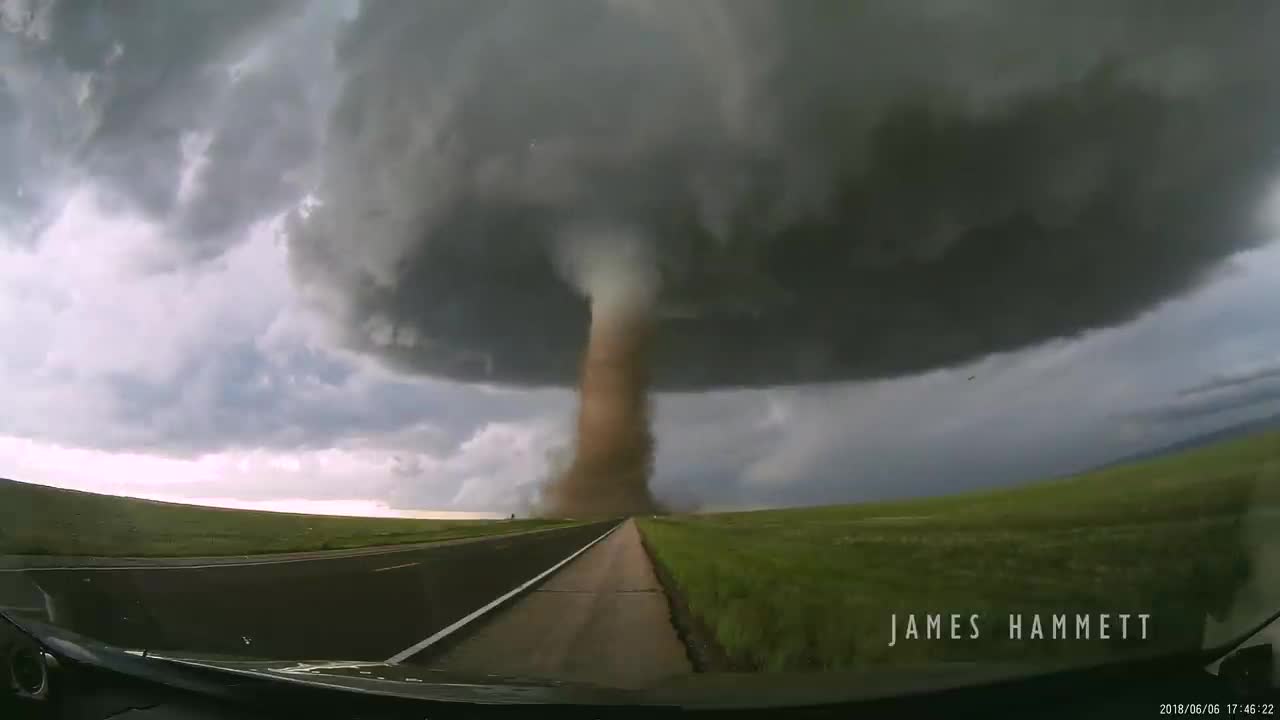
(364, 606)
(603, 618)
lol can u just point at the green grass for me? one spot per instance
(38, 520)
(813, 588)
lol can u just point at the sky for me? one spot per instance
(167, 336)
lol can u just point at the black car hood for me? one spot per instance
(691, 691)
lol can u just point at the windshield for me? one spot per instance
(633, 343)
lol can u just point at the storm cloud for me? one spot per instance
(830, 191)
(198, 115)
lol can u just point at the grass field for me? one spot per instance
(806, 589)
(38, 520)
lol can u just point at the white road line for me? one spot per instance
(396, 567)
(428, 642)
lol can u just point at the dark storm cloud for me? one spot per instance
(262, 145)
(16, 204)
(34, 121)
(264, 137)
(832, 191)
(141, 79)
(152, 68)
(1205, 404)
(1234, 380)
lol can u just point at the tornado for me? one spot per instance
(613, 445)
(613, 454)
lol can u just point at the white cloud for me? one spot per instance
(102, 297)
(497, 467)
(486, 473)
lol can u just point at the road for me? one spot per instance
(349, 606)
(602, 619)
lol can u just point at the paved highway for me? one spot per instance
(348, 606)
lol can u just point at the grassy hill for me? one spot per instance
(40, 520)
(814, 588)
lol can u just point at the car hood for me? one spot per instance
(695, 690)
